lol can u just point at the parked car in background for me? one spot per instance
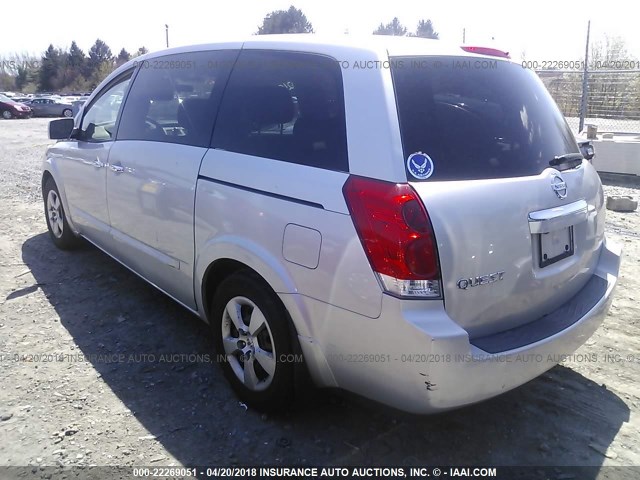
(424, 236)
(23, 100)
(9, 108)
(50, 107)
(77, 104)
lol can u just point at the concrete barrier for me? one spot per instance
(620, 154)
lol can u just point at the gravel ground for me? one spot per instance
(101, 411)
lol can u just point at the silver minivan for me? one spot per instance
(401, 218)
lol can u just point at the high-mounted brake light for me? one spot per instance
(494, 52)
(397, 236)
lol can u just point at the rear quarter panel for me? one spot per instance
(242, 212)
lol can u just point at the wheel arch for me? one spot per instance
(221, 268)
(224, 255)
(214, 275)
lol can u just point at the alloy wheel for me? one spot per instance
(248, 343)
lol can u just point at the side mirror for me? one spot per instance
(587, 150)
(61, 129)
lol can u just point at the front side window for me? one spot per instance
(175, 98)
(285, 106)
(99, 121)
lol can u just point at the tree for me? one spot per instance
(79, 84)
(141, 51)
(611, 94)
(99, 53)
(425, 30)
(285, 21)
(17, 70)
(50, 68)
(100, 74)
(22, 78)
(123, 57)
(394, 27)
(60, 70)
(75, 57)
(7, 82)
(73, 66)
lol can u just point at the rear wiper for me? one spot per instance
(566, 161)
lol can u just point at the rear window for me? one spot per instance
(465, 118)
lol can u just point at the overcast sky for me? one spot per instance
(544, 29)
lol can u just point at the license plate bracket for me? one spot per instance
(556, 245)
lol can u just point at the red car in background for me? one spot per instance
(10, 109)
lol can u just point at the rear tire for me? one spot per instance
(253, 342)
(59, 230)
(67, 113)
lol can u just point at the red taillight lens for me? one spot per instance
(396, 234)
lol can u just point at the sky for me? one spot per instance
(541, 30)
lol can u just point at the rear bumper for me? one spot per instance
(415, 358)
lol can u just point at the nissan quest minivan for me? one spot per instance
(404, 219)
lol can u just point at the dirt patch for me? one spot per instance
(98, 368)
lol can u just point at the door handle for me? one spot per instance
(117, 168)
(97, 163)
(544, 221)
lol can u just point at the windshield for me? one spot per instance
(4, 98)
(476, 118)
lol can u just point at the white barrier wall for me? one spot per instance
(617, 155)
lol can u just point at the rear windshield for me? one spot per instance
(468, 118)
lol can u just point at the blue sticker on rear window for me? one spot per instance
(420, 165)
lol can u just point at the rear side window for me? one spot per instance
(175, 98)
(285, 106)
(475, 119)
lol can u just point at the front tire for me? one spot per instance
(59, 230)
(253, 342)
(67, 113)
(6, 114)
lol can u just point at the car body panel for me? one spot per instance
(151, 205)
(82, 166)
(491, 233)
(268, 201)
(425, 358)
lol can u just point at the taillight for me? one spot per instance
(396, 234)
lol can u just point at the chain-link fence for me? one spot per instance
(598, 86)
(612, 98)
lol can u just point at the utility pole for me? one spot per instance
(166, 29)
(585, 73)
(464, 35)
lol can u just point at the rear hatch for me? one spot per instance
(517, 236)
